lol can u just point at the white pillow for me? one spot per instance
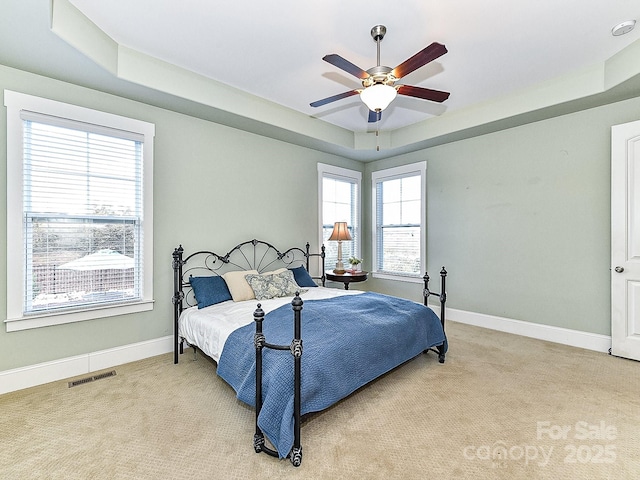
(238, 285)
(275, 272)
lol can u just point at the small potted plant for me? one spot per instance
(355, 262)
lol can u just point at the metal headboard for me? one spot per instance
(250, 255)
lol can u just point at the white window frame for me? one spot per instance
(15, 103)
(419, 168)
(348, 175)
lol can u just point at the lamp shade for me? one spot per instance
(377, 97)
(340, 232)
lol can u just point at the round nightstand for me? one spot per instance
(346, 277)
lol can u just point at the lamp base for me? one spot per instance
(339, 268)
(339, 272)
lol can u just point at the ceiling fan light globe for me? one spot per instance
(378, 97)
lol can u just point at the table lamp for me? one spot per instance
(340, 233)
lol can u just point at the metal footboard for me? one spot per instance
(295, 348)
(443, 299)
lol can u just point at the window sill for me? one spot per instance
(38, 321)
(397, 278)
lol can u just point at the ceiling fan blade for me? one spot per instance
(333, 98)
(346, 65)
(424, 93)
(375, 116)
(424, 56)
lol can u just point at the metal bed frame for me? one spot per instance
(260, 255)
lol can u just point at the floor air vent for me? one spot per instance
(100, 376)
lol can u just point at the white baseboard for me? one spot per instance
(565, 336)
(25, 377)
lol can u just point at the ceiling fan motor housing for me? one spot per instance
(379, 74)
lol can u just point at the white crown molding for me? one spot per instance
(520, 107)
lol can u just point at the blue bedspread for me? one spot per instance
(347, 342)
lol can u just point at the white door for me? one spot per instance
(625, 240)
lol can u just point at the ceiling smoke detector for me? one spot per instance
(622, 28)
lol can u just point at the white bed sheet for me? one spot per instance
(208, 328)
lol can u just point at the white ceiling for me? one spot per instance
(509, 63)
(274, 49)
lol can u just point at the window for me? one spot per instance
(399, 210)
(339, 200)
(79, 217)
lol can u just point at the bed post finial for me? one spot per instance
(297, 302)
(177, 256)
(259, 338)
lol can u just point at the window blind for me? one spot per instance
(83, 214)
(339, 204)
(398, 224)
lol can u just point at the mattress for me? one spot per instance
(208, 328)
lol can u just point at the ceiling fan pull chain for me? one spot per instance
(377, 135)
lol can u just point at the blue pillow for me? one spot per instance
(302, 277)
(209, 290)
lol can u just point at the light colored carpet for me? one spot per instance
(488, 413)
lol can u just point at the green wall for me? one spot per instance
(521, 220)
(214, 187)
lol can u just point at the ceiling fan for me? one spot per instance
(378, 82)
